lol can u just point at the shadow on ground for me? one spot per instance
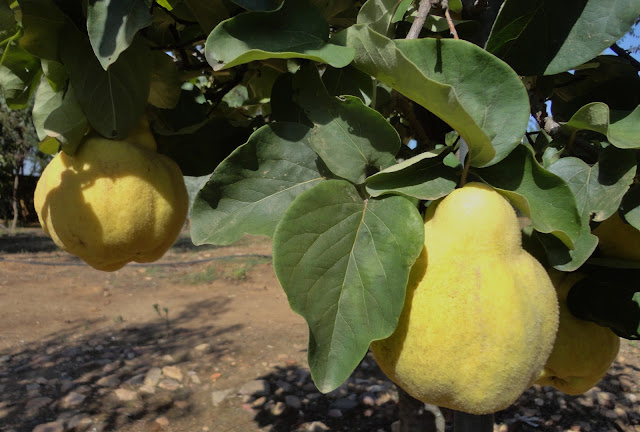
(105, 380)
(368, 402)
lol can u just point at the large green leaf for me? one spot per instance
(7, 22)
(209, 13)
(19, 75)
(424, 177)
(296, 30)
(348, 81)
(56, 74)
(251, 189)
(599, 188)
(532, 189)
(378, 14)
(562, 34)
(165, 85)
(465, 86)
(112, 24)
(199, 149)
(344, 263)
(112, 100)
(58, 115)
(43, 24)
(622, 128)
(350, 137)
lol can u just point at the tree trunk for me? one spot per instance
(14, 203)
(463, 422)
(415, 416)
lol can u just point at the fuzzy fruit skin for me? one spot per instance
(617, 239)
(583, 351)
(481, 314)
(112, 202)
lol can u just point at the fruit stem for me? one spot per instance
(463, 422)
(465, 171)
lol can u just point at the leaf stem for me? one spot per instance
(418, 23)
(465, 171)
(8, 42)
(452, 27)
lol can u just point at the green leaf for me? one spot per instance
(209, 13)
(259, 5)
(474, 96)
(344, 264)
(378, 15)
(164, 91)
(630, 208)
(455, 6)
(598, 189)
(294, 31)
(561, 34)
(348, 81)
(7, 21)
(112, 24)
(112, 100)
(561, 257)
(45, 101)
(251, 189)
(622, 128)
(56, 74)
(199, 149)
(531, 188)
(349, 136)
(43, 25)
(424, 177)
(19, 75)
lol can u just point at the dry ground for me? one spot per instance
(76, 346)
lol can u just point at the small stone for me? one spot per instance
(162, 421)
(153, 376)
(73, 399)
(33, 386)
(136, 379)
(316, 426)
(172, 372)
(395, 426)
(383, 398)
(259, 402)
(169, 384)
(79, 422)
(109, 381)
(556, 417)
(218, 396)
(278, 408)
(36, 403)
(111, 367)
(626, 383)
(125, 395)
(201, 349)
(605, 399)
(293, 401)
(345, 404)
(539, 401)
(284, 386)
(167, 358)
(147, 389)
(255, 387)
(631, 397)
(50, 427)
(66, 385)
(335, 413)
(610, 414)
(181, 404)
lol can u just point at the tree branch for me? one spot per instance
(452, 27)
(418, 23)
(625, 55)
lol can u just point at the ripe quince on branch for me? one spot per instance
(583, 351)
(113, 201)
(481, 314)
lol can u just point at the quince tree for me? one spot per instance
(421, 166)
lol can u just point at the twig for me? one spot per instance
(418, 23)
(625, 55)
(452, 26)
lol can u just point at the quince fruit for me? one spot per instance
(113, 201)
(618, 239)
(480, 315)
(583, 351)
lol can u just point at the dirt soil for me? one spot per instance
(204, 340)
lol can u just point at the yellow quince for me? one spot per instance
(583, 351)
(113, 201)
(480, 314)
